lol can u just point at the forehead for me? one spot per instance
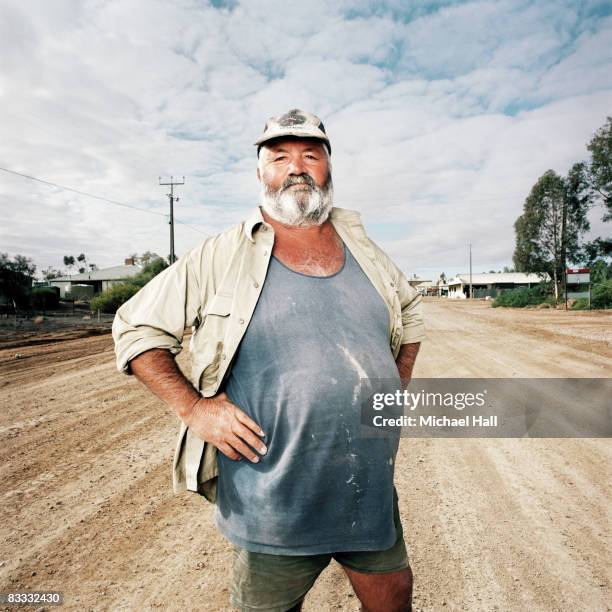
(289, 143)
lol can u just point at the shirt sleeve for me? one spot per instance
(156, 316)
(410, 300)
(412, 311)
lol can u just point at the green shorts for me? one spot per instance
(276, 583)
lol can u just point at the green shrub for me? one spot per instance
(109, 300)
(44, 297)
(150, 270)
(524, 296)
(581, 304)
(601, 295)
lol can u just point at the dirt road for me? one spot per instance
(498, 524)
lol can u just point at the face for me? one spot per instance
(295, 174)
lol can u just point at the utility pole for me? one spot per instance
(471, 296)
(172, 183)
(564, 247)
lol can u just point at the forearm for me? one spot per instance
(157, 370)
(406, 358)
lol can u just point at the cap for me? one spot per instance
(295, 122)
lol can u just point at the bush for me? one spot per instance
(524, 296)
(44, 297)
(601, 295)
(581, 304)
(150, 270)
(109, 300)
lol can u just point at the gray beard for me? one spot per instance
(300, 207)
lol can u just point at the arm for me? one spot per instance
(215, 420)
(413, 327)
(148, 332)
(405, 360)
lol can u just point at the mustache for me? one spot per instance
(300, 179)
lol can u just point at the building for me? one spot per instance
(492, 283)
(99, 279)
(415, 281)
(427, 288)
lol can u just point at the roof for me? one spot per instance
(426, 285)
(491, 278)
(114, 273)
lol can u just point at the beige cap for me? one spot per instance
(295, 122)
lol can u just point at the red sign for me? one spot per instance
(578, 270)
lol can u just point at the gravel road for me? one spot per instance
(497, 524)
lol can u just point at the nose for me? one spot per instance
(296, 166)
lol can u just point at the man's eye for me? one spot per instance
(311, 157)
(281, 158)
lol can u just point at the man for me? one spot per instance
(294, 311)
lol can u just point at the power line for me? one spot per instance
(83, 193)
(96, 197)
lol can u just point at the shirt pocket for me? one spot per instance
(207, 346)
(220, 305)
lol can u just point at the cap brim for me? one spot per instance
(310, 133)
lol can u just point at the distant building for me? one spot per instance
(427, 287)
(441, 288)
(99, 279)
(491, 284)
(415, 281)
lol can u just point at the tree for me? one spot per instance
(553, 220)
(579, 196)
(147, 257)
(83, 263)
(16, 278)
(50, 273)
(600, 166)
(598, 248)
(69, 261)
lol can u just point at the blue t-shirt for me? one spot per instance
(298, 373)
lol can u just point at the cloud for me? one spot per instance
(442, 115)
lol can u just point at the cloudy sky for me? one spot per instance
(442, 115)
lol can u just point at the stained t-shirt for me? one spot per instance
(311, 343)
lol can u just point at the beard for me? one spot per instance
(302, 206)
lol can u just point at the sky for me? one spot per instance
(441, 115)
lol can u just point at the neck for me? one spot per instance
(301, 237)
(304, 232)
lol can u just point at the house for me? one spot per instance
(492, 283)
(415, 281)
(99, 279)
(427, 288)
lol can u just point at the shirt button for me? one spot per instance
(392, 284)
(255, 285)
(265, 252)
(223, 356)
(241, 321)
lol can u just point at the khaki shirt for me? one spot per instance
(214, 289)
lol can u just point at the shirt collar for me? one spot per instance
(336, 215)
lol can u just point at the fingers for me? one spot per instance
(248, 421)
(228, 451)
(249, 437)
(232, 431)
(237, 444)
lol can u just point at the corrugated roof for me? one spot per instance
(489, 278)
(114, 273)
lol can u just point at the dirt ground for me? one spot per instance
(491, 524)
